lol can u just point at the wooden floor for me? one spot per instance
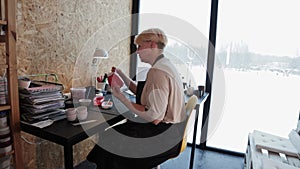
(203, 160)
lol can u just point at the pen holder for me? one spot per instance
(100, 86)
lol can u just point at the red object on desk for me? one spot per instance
(98, 100)
(115, 80)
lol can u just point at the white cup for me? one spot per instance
(190, 91)
(71, 114)
(82, 112)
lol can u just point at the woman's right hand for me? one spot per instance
(117, 70)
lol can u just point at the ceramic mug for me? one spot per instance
(190, 91)
(71, 114)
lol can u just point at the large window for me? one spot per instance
(186, 24)
(258, 52)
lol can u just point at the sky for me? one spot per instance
(267, 26)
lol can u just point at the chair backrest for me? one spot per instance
(189, 107)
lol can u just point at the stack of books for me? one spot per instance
(2, 10)
(41, 101)
(3, 91)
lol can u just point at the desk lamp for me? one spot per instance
(98, 54)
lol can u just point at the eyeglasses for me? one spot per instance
(143, 44)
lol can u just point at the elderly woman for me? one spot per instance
(155, 135)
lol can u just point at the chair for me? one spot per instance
(189, 107)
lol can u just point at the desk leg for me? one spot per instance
(68, 153)
(194, 137)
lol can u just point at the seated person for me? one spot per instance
(156, 134)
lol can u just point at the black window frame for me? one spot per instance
(209, 74)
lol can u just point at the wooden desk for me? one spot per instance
(65, 134)
(201, 100)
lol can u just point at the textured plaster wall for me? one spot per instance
(60, 36)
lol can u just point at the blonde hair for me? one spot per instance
(155, 35)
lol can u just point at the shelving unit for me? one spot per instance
(4, 107)
(12, 81)
(3, 22)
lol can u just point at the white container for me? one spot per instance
(71, 114)
(85, 102)
(78, 93)
(82, 112)
(107, 104)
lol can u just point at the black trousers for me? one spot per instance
(136, 145)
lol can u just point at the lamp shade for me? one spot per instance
(100, 53)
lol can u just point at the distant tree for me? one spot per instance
(294, 63)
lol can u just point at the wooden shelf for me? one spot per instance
(3, 22)
(3, 66)
(4, 107)
(12, 82)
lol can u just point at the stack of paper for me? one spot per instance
(41, 103)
